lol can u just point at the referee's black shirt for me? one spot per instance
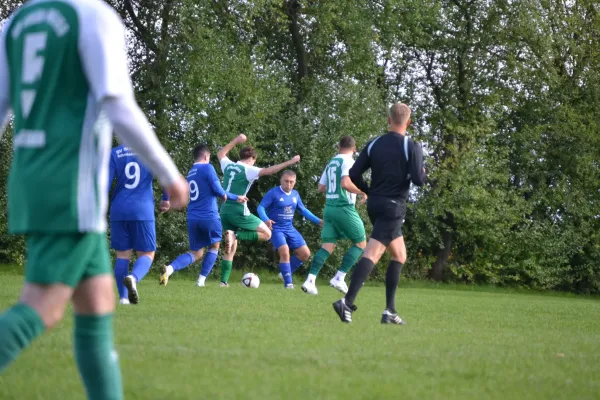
(391, 172)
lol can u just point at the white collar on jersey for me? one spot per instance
(280, 188)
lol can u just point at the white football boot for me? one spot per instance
(309, 287)
(339, 284)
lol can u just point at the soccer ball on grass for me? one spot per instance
(250, 280)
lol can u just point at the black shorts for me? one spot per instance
(387, 216)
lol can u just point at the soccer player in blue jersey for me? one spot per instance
(132, 220)
(277, 210)
(204, 222)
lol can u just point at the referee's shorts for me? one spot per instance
(387, 216)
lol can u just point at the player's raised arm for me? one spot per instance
(222, 153)
(102, 50)
(272, 170)
(4, 88)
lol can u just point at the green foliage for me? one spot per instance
(505, 98)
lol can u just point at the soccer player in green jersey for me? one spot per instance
(238, 222)
(64, 75)
(341, 221)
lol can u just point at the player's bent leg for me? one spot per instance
(264, 233)
(182, 261)
(40, 307)
(301, 255)
(350, 258)
(140, 269)
(227, 265)
(97, 360)
(373, 253)
(121, 270)
(208, 263)
(309, 286)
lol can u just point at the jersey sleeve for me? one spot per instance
(346, 165)
(306, 212)
(415, 164)
(102, 50)
(4, 82)
(225, 161)
(214, 182)
(267, 201)
(252, 172)
(112, 170)
(323, 180)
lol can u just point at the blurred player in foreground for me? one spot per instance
(61, 64)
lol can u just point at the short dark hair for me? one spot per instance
(200, 151)
(347, 142)
(288, 172)
(247, 152)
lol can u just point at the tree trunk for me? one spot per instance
(436, 272)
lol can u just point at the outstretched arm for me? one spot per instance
(241, 138)
(272, 170)
(307, 214)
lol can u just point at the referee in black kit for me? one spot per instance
(395, 161)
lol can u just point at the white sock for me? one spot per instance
(311, 278)
(340, 276)
(169, 270)
(201, 279)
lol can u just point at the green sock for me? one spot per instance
(226, 267)
(19, 325)
(318, 261)
(350, 258)
(96, 357)
(250, 236)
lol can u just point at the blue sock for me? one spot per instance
(121, 271)
(284, 268)
(182, 261)
(295, 263)
(209, 262)
(141, 267)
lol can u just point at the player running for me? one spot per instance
(277, 210)
(204, 223)
(132, 225)
(61, 64)
(236, 217)
(341, 221)
(394, 161)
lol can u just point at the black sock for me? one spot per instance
(392, 278)
(359, 276)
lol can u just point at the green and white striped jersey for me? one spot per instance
(63, 58)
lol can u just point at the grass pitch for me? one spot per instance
(182, 342)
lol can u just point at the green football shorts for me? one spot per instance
(66, 258)
(342, 223)
(233, 221)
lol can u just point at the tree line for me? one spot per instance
(505, 98)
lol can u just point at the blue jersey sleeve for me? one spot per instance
(112, 169)
(264, 205)
(165, 195)
(215, 184)
(306, 213)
